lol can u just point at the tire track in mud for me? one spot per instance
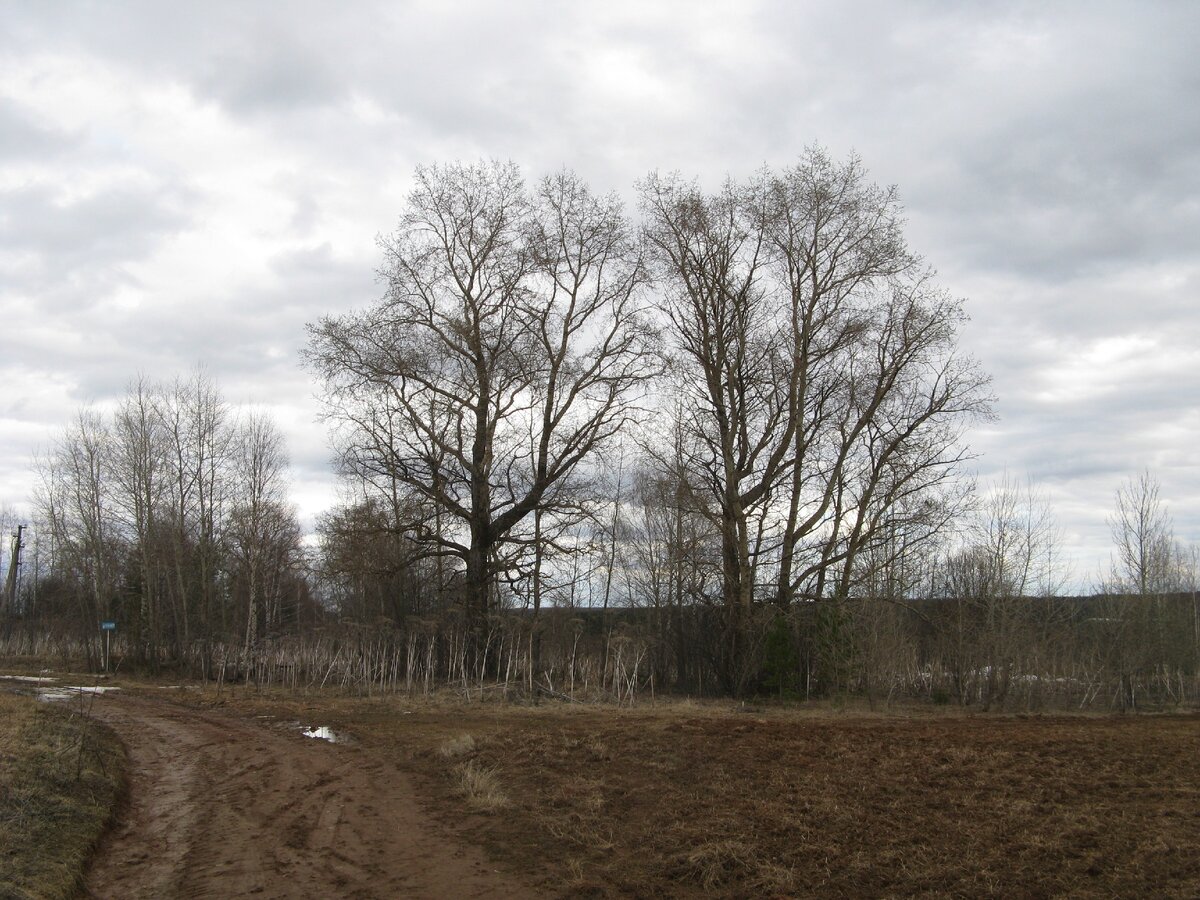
(222, 807)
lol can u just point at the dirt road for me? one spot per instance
(224, 807)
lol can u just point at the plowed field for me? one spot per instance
(677, 800)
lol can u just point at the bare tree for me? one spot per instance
(508, 313)
(1143, 538)
(1002, 583)
(710, 252)
(157, 514)
(880, 392)
(199, 441)
(140, 470)
(1149, 621)
(1188, 565)
(671, 554)
(820, 361)
(75, 499)
(257, 523)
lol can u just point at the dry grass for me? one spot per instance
(718, 862)
(477, 784)
(480, 787)
(458, 746)
(61, 774)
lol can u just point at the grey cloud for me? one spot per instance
(1046, 154)
(251, 336)
(1038, 209)
(238, 54)
(1105, 436)
(313, 281)
(263, 70)
(112, 226)
(1089, 167)
(24, 138)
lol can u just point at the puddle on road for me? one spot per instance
(324, 733)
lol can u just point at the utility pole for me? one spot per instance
(14, 565)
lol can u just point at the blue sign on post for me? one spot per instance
(108, 628)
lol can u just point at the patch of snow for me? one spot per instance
(30, 678)
(70, 692)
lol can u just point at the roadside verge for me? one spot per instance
(62, 777)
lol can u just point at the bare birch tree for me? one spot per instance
(140, 469)
(1146, 616)
(1002, 583)
(152, 518)
(261, 465)
(1143, 538)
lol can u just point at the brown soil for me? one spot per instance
(690, 800)
(681, 802)
(222, 806)
(739, 807)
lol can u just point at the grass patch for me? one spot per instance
(458, 746)
(480, 787)
(61, 775)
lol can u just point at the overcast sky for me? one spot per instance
(192, 183)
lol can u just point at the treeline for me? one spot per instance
(977, 618)
(717, 450)
(168, 515)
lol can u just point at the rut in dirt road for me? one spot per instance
(221, 807)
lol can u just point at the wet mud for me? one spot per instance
(224, 807)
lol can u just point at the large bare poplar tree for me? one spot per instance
(821, 368)
(507, 350)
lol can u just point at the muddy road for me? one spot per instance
(221, 806)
